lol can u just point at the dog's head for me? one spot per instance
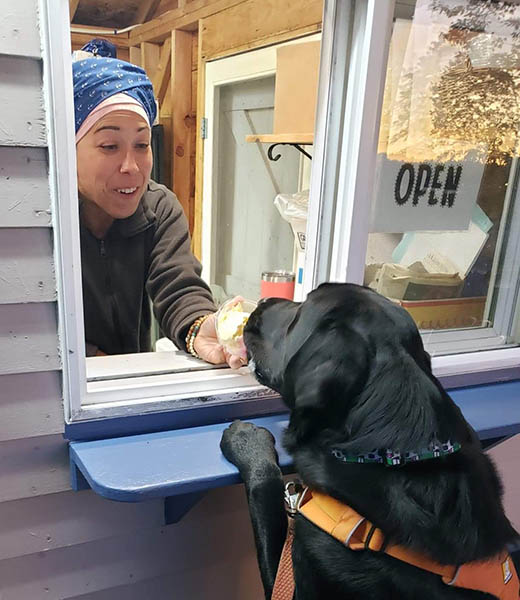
(351, 366)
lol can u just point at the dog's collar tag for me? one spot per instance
(391, 458)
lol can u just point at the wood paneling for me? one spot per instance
(28, 338)
(24, 188)
(183, 551)
(33, 467)
(220, 582)
(26, 266)
(30, 405)
(73, 7)
(150, 54)
(253, 23)
(159, 588)
(196, 244)
(184, 17)
(135, 55)
(22, 118)
(162, 72)
(183, 121)
(70, 518)
(19, 30)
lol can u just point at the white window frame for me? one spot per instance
(344, 157)
(347, 146)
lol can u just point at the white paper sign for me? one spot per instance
(429, 196)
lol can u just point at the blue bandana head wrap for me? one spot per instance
(100, 47)
(96, 79)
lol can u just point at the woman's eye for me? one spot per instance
(109, 146)
(143, 146)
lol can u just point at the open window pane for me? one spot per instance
(444, 219)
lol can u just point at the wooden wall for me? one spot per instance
(56, 544)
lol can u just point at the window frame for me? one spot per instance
(355, 42)
(351, 157)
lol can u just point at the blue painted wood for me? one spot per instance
(203, 414)
(166, 463)
(77, 480)
(170, 463)
(175, 507)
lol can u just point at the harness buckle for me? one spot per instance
(292, 496)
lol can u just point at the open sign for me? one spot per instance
(432, 183)
(426, 196)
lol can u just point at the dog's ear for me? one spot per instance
(361, 397)
(329, 369)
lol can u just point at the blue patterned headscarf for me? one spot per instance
(96, 79)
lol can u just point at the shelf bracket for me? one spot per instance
(278, 156)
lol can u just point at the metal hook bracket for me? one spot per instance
(278, 156)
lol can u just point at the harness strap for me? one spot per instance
(284, 584)
(496, 576)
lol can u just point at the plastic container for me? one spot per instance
(277, 284)
(230, 320)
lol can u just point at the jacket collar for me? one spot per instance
(142, 219)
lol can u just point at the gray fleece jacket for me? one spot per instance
(145, 256)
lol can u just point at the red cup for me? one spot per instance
(277, 284)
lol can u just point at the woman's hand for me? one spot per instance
(207, 347)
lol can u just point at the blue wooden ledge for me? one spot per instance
(186, 462)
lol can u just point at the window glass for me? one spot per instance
(444, 219)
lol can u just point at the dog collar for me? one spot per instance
(391, 458)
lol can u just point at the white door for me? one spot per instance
(243, 233)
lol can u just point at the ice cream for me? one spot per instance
(230, 324)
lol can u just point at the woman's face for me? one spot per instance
(114, 163)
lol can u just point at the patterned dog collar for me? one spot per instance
(390, 458)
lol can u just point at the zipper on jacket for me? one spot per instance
(110, 293)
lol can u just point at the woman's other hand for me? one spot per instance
(208, 348)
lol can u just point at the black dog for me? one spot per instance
(351, 367)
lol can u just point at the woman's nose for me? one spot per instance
(129, 164)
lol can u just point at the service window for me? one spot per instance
(412, 177)
(257, 146)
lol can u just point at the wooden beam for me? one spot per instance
(162, 73)
(135, 55)
(146, 10)
(196, 242)
(73, 7)
(182, 120)
(150, 54)
(119, 39)
(184, 17)
(252, 24)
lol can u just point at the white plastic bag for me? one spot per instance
(293, 208)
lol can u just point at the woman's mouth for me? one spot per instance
(127, 191)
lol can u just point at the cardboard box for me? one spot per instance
(296, 87)
(452, 313)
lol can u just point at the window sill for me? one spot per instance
(184, 463)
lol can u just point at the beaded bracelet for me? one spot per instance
(192, 334)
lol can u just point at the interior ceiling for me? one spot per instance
(116, 14)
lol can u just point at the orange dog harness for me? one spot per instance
(496, 576)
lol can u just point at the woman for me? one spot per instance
(135, 242)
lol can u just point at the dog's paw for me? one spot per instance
(245, 444)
